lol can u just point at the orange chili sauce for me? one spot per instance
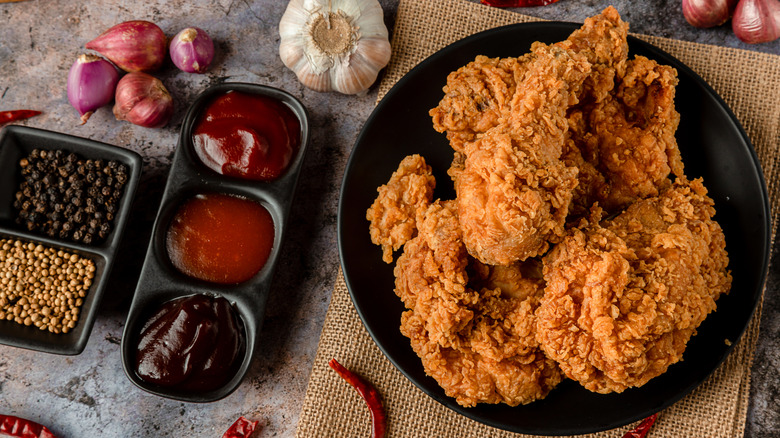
(220, 238)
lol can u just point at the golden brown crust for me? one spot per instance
(394, 210)
(476, 337)
(623, 298)
(626, 140)
(514, 191)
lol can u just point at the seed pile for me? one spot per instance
(42, 286)
(66, 197)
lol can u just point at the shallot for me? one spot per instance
(91, 84)
(192, 50)
(143, 100)
(757, 21)
(133, 45)
(708, 13)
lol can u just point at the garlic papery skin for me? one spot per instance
(334, 45)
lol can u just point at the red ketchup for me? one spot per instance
(220, 238)
(248, 136)
(195, 343)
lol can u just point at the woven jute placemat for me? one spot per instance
(717, 408)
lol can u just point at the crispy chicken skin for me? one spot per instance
(627, 140)
(624, 297)
(514, 191)
(394, 210)
(475, 338)
(477, 97)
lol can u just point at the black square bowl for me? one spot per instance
(16, 142)
(161, 282)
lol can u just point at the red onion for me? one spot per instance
(708, 13)
(91, 84)
(757, 21)
(132, 45)
(192, 50)
(142, 100)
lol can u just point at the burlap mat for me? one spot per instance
(716, 409)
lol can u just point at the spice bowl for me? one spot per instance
(166, 286)
(17, 143)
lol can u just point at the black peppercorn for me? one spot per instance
(62, 195)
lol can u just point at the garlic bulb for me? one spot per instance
(334, 45)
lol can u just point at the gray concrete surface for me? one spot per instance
(88, 395)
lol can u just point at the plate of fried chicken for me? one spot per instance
(554, 228)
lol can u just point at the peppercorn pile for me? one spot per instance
(42, 286)
(64, 196)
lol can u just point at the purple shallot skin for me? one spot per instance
(91, 84)
(192, 50)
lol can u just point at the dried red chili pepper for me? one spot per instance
(13, 116)
(369, 394)
(242, 428)
(641, 430)
(517, 3)
(21, 428)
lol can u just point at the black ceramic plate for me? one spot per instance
(160, 281)
(713, 146)
(17, 142)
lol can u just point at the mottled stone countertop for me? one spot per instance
(88, 394)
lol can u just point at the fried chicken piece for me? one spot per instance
(394, 210)
(478, 343)
(602, 40)
(629, 137)
(477, 97)
(623, 298)
(514, 191)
